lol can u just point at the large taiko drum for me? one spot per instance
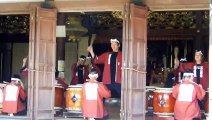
(206, 102)
(74, 98)
(163, 102)
(59, 97)
(1, 93)
(149, 97)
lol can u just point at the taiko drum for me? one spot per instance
(163, 102)
(149, 97)
(59, 97)
(206, 102)
(74, 98)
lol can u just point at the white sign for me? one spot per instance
(60, 66)
(61, 31)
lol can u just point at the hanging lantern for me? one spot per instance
(74, 29)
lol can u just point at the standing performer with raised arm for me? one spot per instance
(112, 66)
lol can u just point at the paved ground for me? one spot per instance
(113, 110)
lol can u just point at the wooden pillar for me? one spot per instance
(198, 38)
(60, 53)
(60, 40)
(210, 61)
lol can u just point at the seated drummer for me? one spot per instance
(93, 93)
(14, 97)
(59, 80)
(187, 93)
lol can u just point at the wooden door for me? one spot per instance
(31, 64)
(210, 61)
(42, 55)
(134, 63)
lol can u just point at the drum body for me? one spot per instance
(59, 97)
(1, 94)
(1, 97)
(74, 98)
(149, 97)
(163, 102)
(206, 102)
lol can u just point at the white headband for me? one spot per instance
(82, 59)
(93, 76)
(114, 40)
(15, 79)
(200, 52)
(188, 74)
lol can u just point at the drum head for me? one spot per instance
(58, 86)
(163, 90)
(151, 87)
(75, 86)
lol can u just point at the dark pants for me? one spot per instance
(115, 89)
(201, 104)
(23, 112)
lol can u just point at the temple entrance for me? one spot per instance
(134, 67)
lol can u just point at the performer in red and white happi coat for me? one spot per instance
(79, 71)
(112, 66)
(13, 96)
(93, 93)
(200, 69)
(187, 94)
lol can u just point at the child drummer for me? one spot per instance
(93, 93)
(187, 94)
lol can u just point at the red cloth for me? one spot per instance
(105, 59)
(204, 81)
(187, 95)
(74, 79)
(13, 96)
(62, 82)
(24, 71)
(92, 94)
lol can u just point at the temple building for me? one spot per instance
(53, 34)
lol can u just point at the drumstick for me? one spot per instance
(176, 51)
(92, 39)
(91, 44)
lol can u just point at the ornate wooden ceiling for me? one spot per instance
(177, 20)
(113, 20)
(105, 5)
(14, 24)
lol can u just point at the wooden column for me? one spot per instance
(60, 40)
(198, 38)
(210, 60)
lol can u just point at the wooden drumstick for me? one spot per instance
(92, 39)
(176, 51)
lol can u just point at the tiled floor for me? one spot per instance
(113, 110)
